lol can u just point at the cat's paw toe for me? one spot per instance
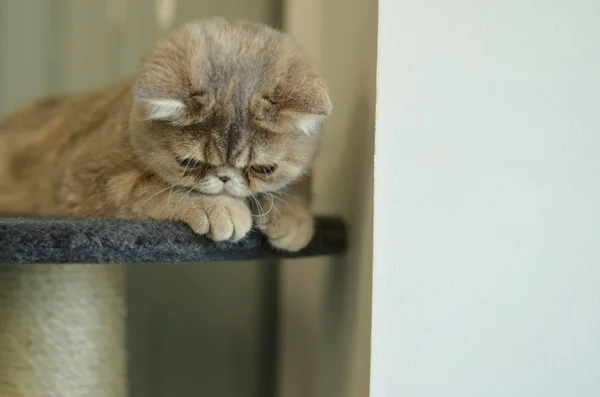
(198, 222)
(229, 219)
(290, 231)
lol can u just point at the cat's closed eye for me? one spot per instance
(263, 169)
(189, 163)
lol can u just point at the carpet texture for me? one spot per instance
(35, 240)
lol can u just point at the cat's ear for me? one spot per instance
(303, 106)
(162, 109)
(303, 122)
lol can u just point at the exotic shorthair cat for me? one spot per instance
(218, 127)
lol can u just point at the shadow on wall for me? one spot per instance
(348, 284)
(327, 301)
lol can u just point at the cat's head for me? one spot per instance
(228, 108)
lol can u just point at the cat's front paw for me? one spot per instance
(290, 229)
(220, 218)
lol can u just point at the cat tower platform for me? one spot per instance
(116, 241)
(62, 294)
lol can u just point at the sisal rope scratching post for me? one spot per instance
(62, 331)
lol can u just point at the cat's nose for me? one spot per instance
(224, 179)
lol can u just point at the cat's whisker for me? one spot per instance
(272, 204)
(257, 203)
(170, 194)
(181, 201)
(269, 210)
(275, 197)
(281, 193)
(153, 195)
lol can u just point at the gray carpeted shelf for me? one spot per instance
(37, 240)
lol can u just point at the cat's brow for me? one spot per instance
(235, 132)
(235, 151)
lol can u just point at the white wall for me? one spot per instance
(487, 199)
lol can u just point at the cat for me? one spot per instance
(218, 129)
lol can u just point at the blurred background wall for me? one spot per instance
(325, 315)
(193, 329)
